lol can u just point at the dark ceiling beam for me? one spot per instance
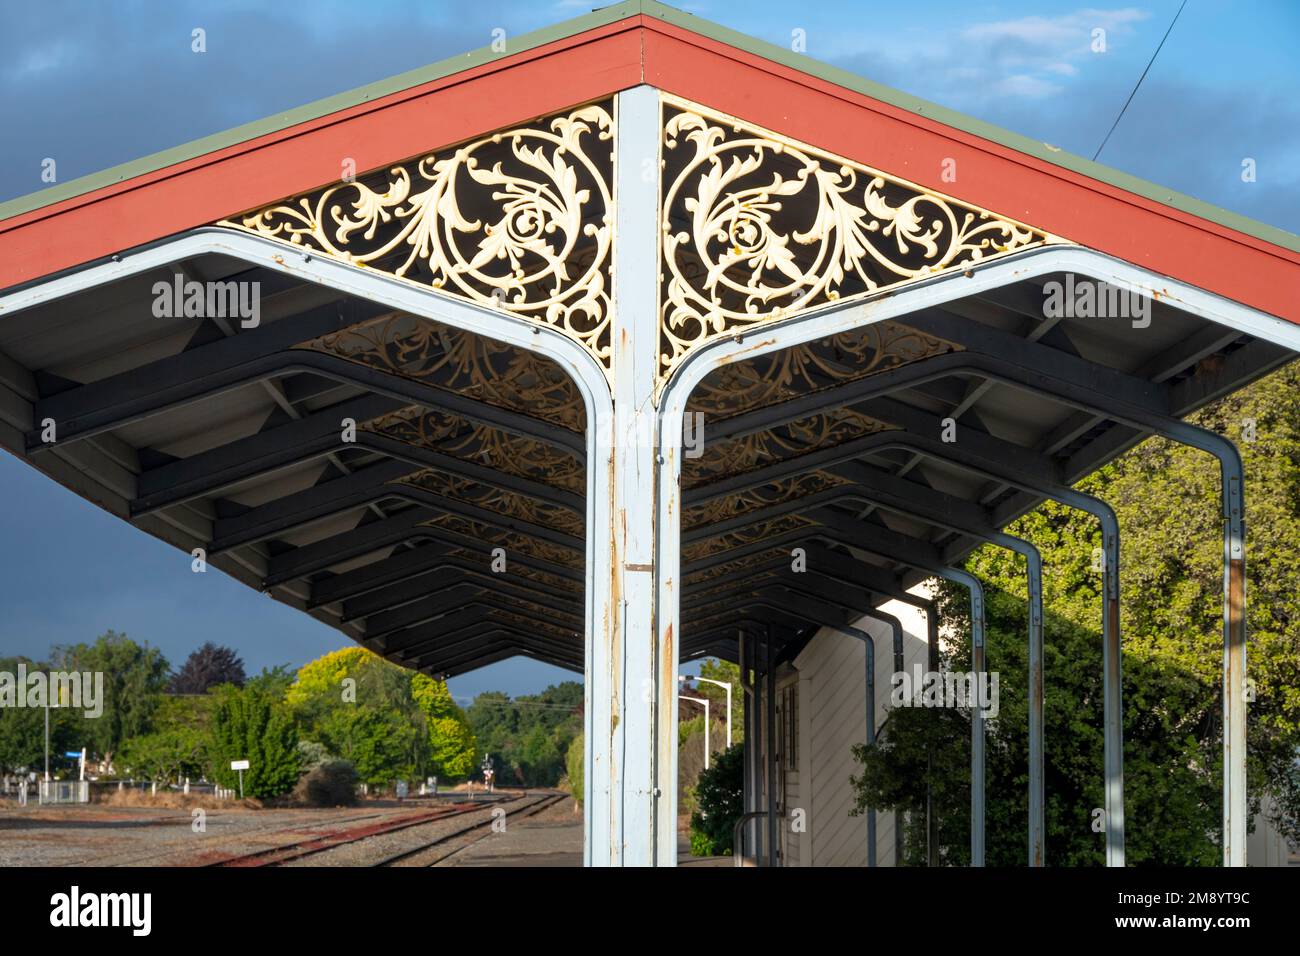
(403, 527)
(88, 409)
(467, 624)
(470, 616)
(313, 437)
(340, 495)
(987, 352)
(452, 574)
(251, 356)
(368, 588)
(384, 625)
(498, 644)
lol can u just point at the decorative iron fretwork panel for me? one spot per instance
(452, 435)
(726, 587)
(461, 361)
(750, 535)
(735, 566)
(510, 540)
(548, 581)
(757, 227)
(507, 503)
(726, 459)
(757, 499)
(768, 379)
(521, 220)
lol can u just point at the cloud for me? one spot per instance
(970, 67)
(1039, 77)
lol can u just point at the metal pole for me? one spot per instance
(754, 743)
(977, 719)
(705, 702)
(870, 647)
(727, 687)
(1234, 668)
(770, 714)
(931, 820)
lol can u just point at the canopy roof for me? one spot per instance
(231, 439)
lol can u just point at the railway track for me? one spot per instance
(319, 843)
(171, 856)
(449, 844)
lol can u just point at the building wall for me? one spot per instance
(832, 719)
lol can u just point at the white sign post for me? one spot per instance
(241, 766)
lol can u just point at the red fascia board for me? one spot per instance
(512, 90)
(1160, 238)
(617, 56)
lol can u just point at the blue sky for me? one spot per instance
(94, 84)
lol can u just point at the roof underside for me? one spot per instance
(367, 466)
(209, 435)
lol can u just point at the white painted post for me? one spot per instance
(635, 772)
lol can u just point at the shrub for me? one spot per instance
(573, 763)
(720, 793)
(332, 784)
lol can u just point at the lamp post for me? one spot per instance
(725, 686)
(705, 702)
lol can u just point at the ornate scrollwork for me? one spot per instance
(757, 227)
(521, 220)
(741, 537)
(452, 435)
(501, 501)
(756, 499)
(552, 581)
(768, 379)
(812, 433)
(735, 566)
(510, 540)
(460, 361)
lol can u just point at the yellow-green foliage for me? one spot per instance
(325, 674)
(391, 722)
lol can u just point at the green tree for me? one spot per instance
(176, 747)
(22, 729)
(453, 750)
(166, 756)
(250, 724)
(528, 737)
(134, 677)
(378, 741)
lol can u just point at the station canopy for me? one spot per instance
(192, 341)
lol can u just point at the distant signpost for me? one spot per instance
(241, 766)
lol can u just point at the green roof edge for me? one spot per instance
(706, 28)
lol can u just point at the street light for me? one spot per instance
(725, 686)
(705, 702)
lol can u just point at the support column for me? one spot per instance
(769, 719)
(643, 676)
